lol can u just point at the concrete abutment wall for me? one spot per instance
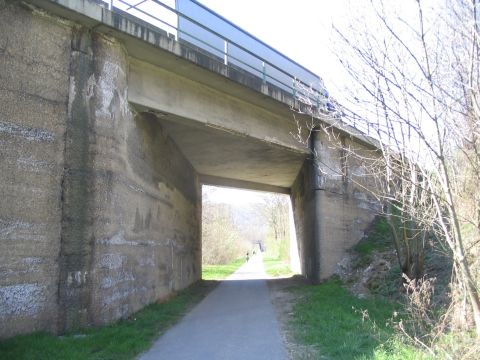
(100, 211)
(332, 200)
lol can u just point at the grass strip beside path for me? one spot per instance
(220, 272)
(124, 339)
(342, 326)
(277, 268)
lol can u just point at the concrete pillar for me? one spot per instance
(318, 195)
(342, 208)
(76, 237)
(306, 218)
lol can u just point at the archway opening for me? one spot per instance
(243, 226)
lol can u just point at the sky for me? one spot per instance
(300, 29)
(232, 196)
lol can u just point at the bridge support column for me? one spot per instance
(318, 194)
(332, 206)
(306, 204)
(318, 202)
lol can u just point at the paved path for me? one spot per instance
(235, 321)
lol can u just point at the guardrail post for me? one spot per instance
(264, 72)
(225, 52)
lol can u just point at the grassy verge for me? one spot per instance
(122, 340)
(220, 272)
(276, 267)
(329, 318)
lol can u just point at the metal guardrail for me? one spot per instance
(198, 26)
(192, 30)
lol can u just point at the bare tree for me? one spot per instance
(415, 89)
(274, 211)
(221, 239)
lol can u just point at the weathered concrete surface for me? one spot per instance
(221, 136)
(151, 245)
(164, 91)
(34, 64)
(188, 87)
(77, 186)
(140, 239)
(304, 218)
(100, 211)
(333, 201)
(144, 41)
(345, 204)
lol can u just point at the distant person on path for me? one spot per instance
(248, 256)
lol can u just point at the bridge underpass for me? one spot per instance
(108, 128)
(228, 141)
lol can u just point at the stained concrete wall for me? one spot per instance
(100, 211)
(147, 241)
(34, 65)
(303, 215)
(136, 193)
(332, 200)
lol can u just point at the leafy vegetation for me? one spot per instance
(122, 340)
(379, 237)
(416, 83)
(220, 272)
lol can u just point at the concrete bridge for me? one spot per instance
(109, 126)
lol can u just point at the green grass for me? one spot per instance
(122, 340)
(220, 272)
(276, 267)
(379, 238)
(328, 317)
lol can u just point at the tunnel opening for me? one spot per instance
(241, 228)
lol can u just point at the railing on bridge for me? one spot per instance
(197, 26)
(194, 24)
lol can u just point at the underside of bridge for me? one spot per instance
(105, 142)
(227, 139)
